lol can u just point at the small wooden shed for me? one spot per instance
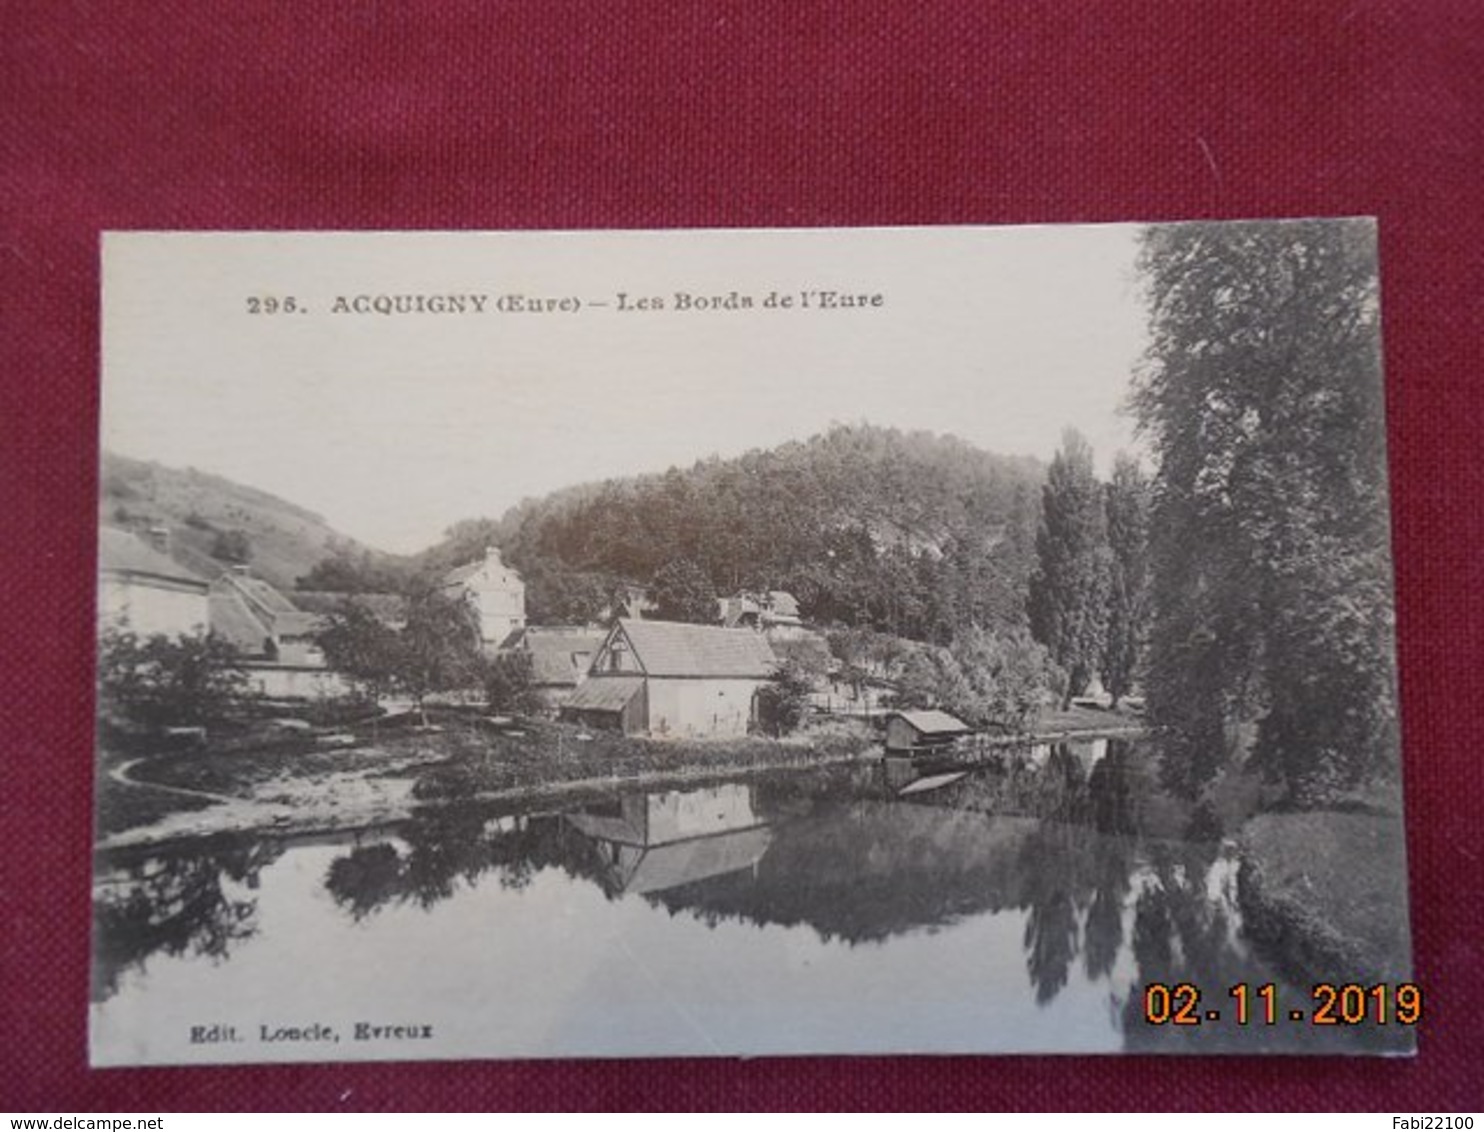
(908, 732)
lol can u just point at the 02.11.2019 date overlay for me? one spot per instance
(1328, 1004)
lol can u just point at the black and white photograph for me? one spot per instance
(746, 642)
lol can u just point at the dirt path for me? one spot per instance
(120, 774)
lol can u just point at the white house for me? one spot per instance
(496, 592)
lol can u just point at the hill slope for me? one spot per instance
(214, 521)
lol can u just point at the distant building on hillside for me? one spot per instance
(667, 678)
(771, 611)
(560, 657)
(496, 592)
(141, 588)
(629, 599)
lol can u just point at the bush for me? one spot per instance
(157, 682)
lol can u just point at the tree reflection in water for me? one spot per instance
(1080, 846)
(178, 902)
(437, 851)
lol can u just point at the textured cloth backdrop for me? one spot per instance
(581, 115)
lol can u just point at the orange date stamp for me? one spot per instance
(1328, 1004)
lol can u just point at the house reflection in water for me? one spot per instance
(654, 842)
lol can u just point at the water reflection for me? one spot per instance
(1068, 846)
(194, 901)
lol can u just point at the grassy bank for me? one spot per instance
(540, 754)
(1326, 892)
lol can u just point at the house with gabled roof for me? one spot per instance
(495, 592)
(275, 638)
(770, 610)
(669, 678)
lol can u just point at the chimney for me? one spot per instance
(159, 537)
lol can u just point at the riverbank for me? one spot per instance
(292, 781)
(1326, 891)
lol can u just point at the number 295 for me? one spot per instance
(272, 304)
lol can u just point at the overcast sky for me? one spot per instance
(394, 427)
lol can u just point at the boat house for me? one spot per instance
(908, 732)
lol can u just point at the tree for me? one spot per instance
(345, 571)
(1004, 679)
(683, 592)
(436, 650)
(1127, 502)
(158, 681)
(508, 683)
(1068, 592)
(1261, 395)
(232, 546)
(783, 702)
(361, 648)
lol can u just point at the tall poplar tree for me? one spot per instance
(1127, 501)
(1068, 591)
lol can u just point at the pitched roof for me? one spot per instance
(784, 603)
(560, 654)
(263, 592)
(461, 574)
(297, 623)
(662, 867)
(233, 620)
(605, 693)
(934, 722)
(123, 552)
(673, 648)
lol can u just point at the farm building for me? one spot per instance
(274, 637)
(142, 589)
(909, 731)
(672, 679)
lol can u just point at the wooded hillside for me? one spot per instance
(913, 534)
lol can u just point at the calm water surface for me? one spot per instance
(880, 908)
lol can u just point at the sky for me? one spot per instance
(394, 426)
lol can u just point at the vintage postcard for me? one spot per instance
(734, 643)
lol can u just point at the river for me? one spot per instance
(1022, 906)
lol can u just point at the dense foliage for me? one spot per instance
(155, 682)
(509, 678)
(682, 592)
(436, 649)
(912, 534)
(1262, 397)
(783, 702)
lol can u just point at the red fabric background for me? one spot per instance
(777, 113)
